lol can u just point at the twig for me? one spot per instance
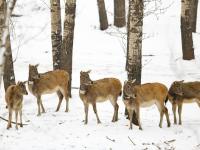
(131, 141)
(113, 140)
(11, 121)
(170, 141)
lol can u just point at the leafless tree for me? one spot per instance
(5, 32)
(186, 29)
(68, 36)
(119, 13)
(56, 32)
(102, 15)
(194, 14)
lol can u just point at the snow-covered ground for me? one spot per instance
(105, 56)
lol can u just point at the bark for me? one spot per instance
(186, 30)
(194, 14)
(102, 15)
(8, 76)
(68, 36)
(5, 33)
(56, 32)
(134, 43)
(134, 40)
(119, 13)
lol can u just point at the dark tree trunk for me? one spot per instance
(134, 43)
(9, 76)
(56, 32)
(186, 29)
(68, 36)
(194, 14)
(102, 15)
(119, 13)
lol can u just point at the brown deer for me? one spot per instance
(47, 83)
(145, 95)
(100, 90)
(14, 99)
(180, 93)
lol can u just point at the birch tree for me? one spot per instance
(119, 13)
(102, 15)
(56, 32)
(5, 33)
(9, 76)
(186, 29)
(68, 36)
(134, 40)
(134, 43)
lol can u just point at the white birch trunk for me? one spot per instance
(5, 33)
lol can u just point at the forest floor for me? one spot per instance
(103, 52)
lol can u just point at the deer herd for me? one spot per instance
(93, 91)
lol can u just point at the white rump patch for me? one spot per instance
(82, 92)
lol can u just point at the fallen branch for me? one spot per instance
(113, 140)
(11, 121)
(131, 141)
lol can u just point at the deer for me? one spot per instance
(14, 100)
(180, 92)
(145, 95)
(47, 83)
(92, 92)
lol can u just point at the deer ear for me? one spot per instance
(88, 71)
(133, 81)
(18, 82)
(36, 65)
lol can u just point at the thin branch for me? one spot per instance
(11, 121)
(131, 141)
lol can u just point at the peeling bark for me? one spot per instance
(56, 32)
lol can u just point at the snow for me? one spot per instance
(105, 56)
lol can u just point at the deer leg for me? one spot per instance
(95, 111)
(179, 112)
(116, 107)
(38, 103)
(138, 116)
(9, 119)
(66, 95)
(130, 112)
(167, 116)
(16, 119)
(174, 106)
(86, 105)
(60, 96)
(161, 110)
(43, 110)
(20, 113)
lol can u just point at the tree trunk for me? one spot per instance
(9, 76)
(119, 13)
(102, 15)
(56, 32)
(186, 29)
(68, 36)
(134, 42)
(5, 33)
(194, 14)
